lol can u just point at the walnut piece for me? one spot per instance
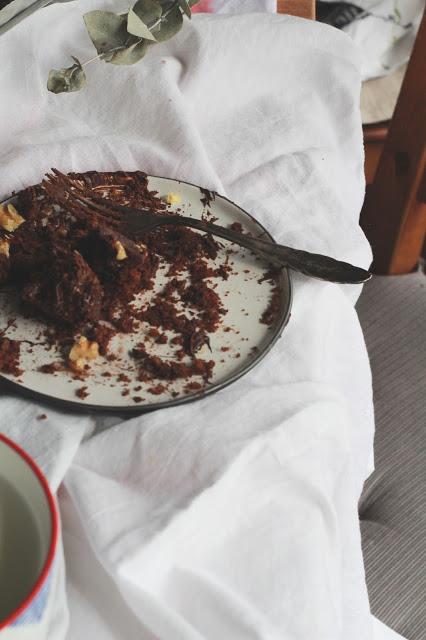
(173, 198)
(4, 247)
(82, 351)
(10, 218)
(121, 251)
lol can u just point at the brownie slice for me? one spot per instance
(69, 291)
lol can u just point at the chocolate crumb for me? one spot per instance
(82, 393)
(157, 390)
(236, 226)
(193, 386)
(208, 197)
(269, 315)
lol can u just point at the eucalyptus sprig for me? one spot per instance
(123, 38)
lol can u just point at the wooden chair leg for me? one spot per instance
(394, 212)
(374, 140)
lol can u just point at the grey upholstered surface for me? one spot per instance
(392, 312)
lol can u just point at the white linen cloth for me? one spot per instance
(234, 517)
(385, 33)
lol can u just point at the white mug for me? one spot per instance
(28, 542)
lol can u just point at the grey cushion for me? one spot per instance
(392, 311)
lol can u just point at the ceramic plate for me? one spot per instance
(237, 346)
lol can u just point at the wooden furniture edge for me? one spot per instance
(300, 8)
(394, 212)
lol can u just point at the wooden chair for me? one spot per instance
(394, 212)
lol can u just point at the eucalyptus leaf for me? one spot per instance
(68, 79)
(185, 6)
(148, 11)
(131, 54)
(122, 39)
(108, 31)
(136, 27)
(171, 23)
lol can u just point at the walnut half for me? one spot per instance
(10, 218)
(120, 251)
(82, 351)
(173, 198)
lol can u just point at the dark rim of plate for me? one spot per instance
(85, 407)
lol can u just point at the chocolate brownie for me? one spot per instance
(75, 269)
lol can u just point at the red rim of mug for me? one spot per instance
(53, 535)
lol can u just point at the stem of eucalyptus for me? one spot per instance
(162, 17)
(100, 56)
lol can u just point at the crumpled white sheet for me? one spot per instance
(234, 517)
(385, 33)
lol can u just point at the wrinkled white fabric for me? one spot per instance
(385, 33)
(234, 517)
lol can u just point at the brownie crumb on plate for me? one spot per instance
(10, 356)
